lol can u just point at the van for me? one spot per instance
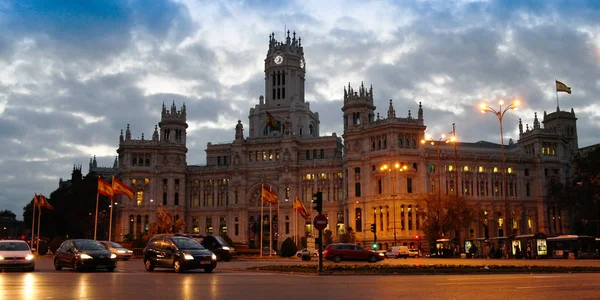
(216, 244)
(397, 252)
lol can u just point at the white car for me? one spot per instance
(16, 254)
(413, 253)
(305, 251)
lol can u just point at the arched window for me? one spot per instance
(311, 130)
(402, 217)
(176, 199)
(358, 220)
(138, 224)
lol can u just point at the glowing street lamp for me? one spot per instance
(392, 169)
(500, 114)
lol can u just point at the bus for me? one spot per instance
(572, 246)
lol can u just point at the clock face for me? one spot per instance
(302, 63)
(278, 59)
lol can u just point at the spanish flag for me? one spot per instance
(269, 196)
(36, 202)
(120, 188)
(271, 122)
(561, 87)
(44, 203)
(105, 188)
(300, 208)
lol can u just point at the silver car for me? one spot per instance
(16, 254)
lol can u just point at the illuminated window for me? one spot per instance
(323, 176)
(140, 198)
(146, 180)
(250, 156)
(495, 169)
(277, 154)
(264, 155)
(509, 170)
(307, 176)
(450, 168)
(270, 154)
(133, 180)
(466, 168)
(480, 169)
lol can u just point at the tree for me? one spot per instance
(584, 194)
(348, 237)
(446, 214)
(327, 237)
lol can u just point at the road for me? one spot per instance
(230, 281)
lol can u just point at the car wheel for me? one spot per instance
(372, 259)
(299, 255)
(110, 269)
(337, 258)
(177, 266)
(76, 266)
(57, 265)
(148, 265)
(209, 269)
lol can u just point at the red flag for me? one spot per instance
(300, 208)
(561, 87)
(120, 188)
(269, 196)
(105, 188)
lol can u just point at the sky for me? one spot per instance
(73, 74)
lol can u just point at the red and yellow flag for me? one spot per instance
(561, 87)
(105, 188)
(43, 202)
(271, 122)
(119, 187)
(301, 209)
(269, 196)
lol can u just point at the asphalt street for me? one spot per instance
(231, 281)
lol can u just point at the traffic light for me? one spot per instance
(374, 246)
(417, 237)
(318, 202)
(373, 228)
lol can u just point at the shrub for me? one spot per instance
(55, 243)
(288, 248)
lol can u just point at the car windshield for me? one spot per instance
(115, 245)
(221, 240)
(13, 246)
(186, 243)
(88, 245)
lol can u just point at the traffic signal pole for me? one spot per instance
(318, 206)
(320, 251)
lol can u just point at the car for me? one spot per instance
(347, 251)
(84, 254)
(413, 253)
(16, 255)
(116, 248)
(216, 245)
(398, 252)
(306, 251)
(265, 251)
(178, 252)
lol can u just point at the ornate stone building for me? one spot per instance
(285, 151)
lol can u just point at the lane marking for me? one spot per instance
(556, 286)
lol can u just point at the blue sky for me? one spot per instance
(74, 73)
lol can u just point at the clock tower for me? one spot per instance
(284, 71)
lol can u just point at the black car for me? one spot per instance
(216, 245)
(83, 254)
(178, 252)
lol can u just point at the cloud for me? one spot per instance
(74, 74)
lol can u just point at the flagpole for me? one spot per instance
(37, 247)
(270, 228)
(556, 90)
(96, 216)
(261, 218)
(33, 222)
(110, 220)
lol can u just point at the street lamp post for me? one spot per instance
(500, 114)
(400, 168)
(437, 143)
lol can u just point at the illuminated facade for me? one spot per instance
(379, 173)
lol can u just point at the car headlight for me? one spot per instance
(121, 251)
(214, 257)
(188, 256)
(85, 256)
(113, 256)
(381, 254)
(29, 257)
(1, 257)
(226, 248)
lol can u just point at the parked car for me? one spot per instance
(178, 252)
(84, 254)
(265, 251)
(116, 248)
(16, 254)
(306, 251)
(216, 244)
(346, 251)
(413, 253)
(398, 252)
